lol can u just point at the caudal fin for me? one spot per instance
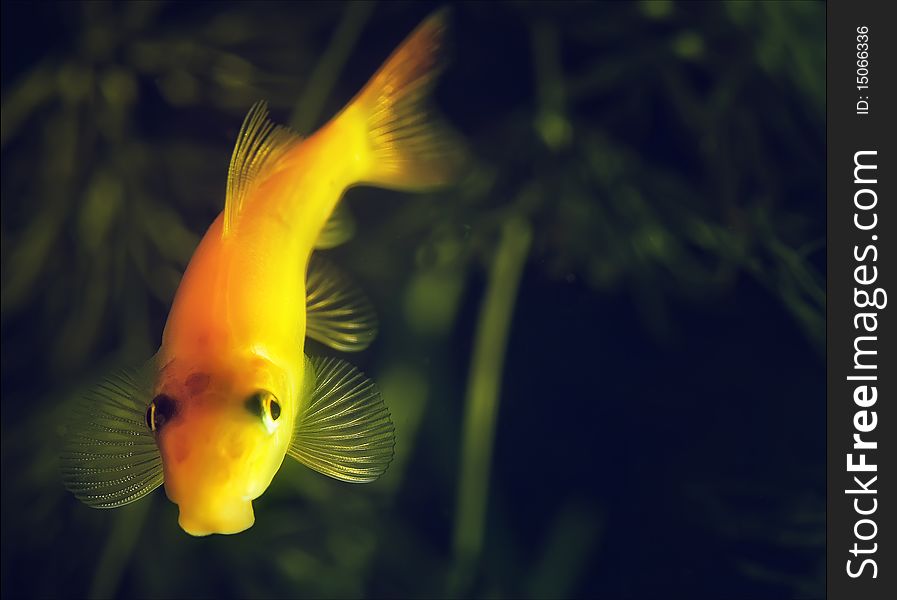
(409, 148)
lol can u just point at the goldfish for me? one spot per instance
(231, 391)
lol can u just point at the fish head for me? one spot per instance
(223, 434)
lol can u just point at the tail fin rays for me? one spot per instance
(410, 148)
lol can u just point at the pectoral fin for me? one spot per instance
(109, 456)
(345, 430)
(338, 313)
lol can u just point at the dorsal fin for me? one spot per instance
(260, 144)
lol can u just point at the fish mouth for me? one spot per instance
(230, 518)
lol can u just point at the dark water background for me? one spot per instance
(658, 168)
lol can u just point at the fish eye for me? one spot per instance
(159, 412)
(265, 405)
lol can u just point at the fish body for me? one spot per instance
(237, 325)
(265, 256)
(231, 391)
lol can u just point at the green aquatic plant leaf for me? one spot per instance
(345, 431)
(110, 457)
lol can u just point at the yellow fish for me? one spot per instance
(231, 392)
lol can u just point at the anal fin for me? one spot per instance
(338, 230)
